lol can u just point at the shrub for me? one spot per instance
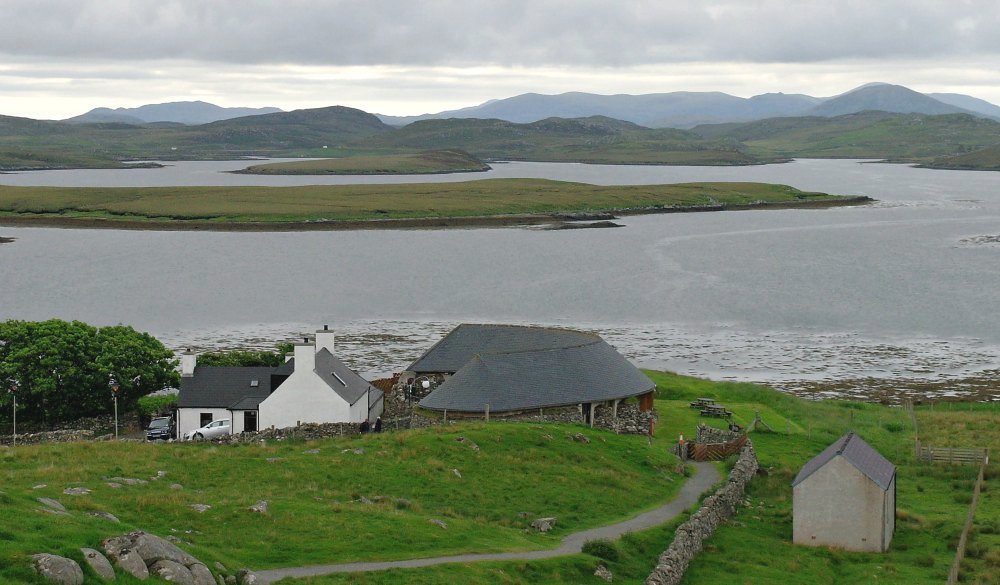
(153, 405)
(602, 549)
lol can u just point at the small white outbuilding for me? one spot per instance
(845, 497)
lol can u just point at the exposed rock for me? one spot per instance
(153, 548)
(524, 515)
(311, 452)
(440, 523)
(220, 580)
(581, 438)
(58, 569)
(359, 451)
(99, 563)
(130, 562)
(472, 445)
(40, 486)
(176, 486)
(106, 515)
(246, 577)
(543, 524)
(273, 459)
(201, 507)
(457, 473)
(53, 504)
(172, 571)
(126, 480)
(114, 484)
(260, 507)
(76, 491)
(201, 574)
(231, 580)
(220, 567)
(158, 475)
(365, 501)
(604, 573)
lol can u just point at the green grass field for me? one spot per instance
(421, 163)
(755, 547)
(316, 514)
(368, 202)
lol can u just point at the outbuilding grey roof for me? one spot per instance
(584, 369)
(859, 454)
(223, 387)
(468, 340)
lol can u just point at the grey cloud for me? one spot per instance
(503, 32)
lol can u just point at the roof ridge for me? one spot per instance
(541, 349)
(847, 440)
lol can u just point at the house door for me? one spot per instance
(250, 421)
(588, 414)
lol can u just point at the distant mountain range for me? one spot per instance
(196, 112)
(690, 109)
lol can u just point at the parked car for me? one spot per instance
(213, 430)
(160, 429)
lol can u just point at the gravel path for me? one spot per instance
(693, 488)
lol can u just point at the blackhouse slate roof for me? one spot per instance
(859, 454)
(520, 368)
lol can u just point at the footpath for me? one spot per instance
(693, 488)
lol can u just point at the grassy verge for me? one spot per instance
(340, 203)
(316, 511)
(421, 163)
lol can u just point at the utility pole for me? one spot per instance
(115, 387)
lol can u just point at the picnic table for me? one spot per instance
(716, 410)
(702, 402)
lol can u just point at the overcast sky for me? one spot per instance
(59, 58)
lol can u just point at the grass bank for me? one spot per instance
(358, 206)
(420, 163)
(357, 498)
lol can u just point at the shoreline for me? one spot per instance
(472, 221)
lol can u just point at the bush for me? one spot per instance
(156, 405)
(602, 549)
(924, 561)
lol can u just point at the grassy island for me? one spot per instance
(421, 163)
(486, 202)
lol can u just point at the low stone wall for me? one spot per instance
(690, 536)
(305, 432)
(67, 436)
(707, 434)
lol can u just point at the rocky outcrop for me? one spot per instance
(142, 554)
(172, 571)
(691, 535)
(58, 569)
(543, 524)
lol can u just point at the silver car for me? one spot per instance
(213, 430)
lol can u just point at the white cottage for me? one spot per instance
(313, 386)
(845, 497)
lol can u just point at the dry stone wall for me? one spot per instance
(691, 535)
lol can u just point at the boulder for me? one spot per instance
(76, 491)
(58, 569)
(440, 523)
(153, 548)
(260, 507)
(99, 563)
(201, 574)
(106, 515)
(543, 524)
(581, 438)
(130, 562)
(52, 504)
(604, 573)
(246, 577)
(200, 507)
(172, 571)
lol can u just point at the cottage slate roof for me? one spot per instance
(859, 454)
(590, 370)
(342, 379)
(223, 387)
(468, 340)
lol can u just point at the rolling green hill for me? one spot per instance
(987, 159)
(592, 140)
(421, 163)
(897, 137)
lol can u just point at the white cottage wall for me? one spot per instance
(189, 419)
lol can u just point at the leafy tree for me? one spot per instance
(63, 369)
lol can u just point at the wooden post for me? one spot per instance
(487, 413)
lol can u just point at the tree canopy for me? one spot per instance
(63, 369)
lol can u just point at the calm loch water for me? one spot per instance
(905, 289)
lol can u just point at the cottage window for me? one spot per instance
(205, 417)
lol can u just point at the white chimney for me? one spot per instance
(189, 360)
(324, 339)
(305, 357)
